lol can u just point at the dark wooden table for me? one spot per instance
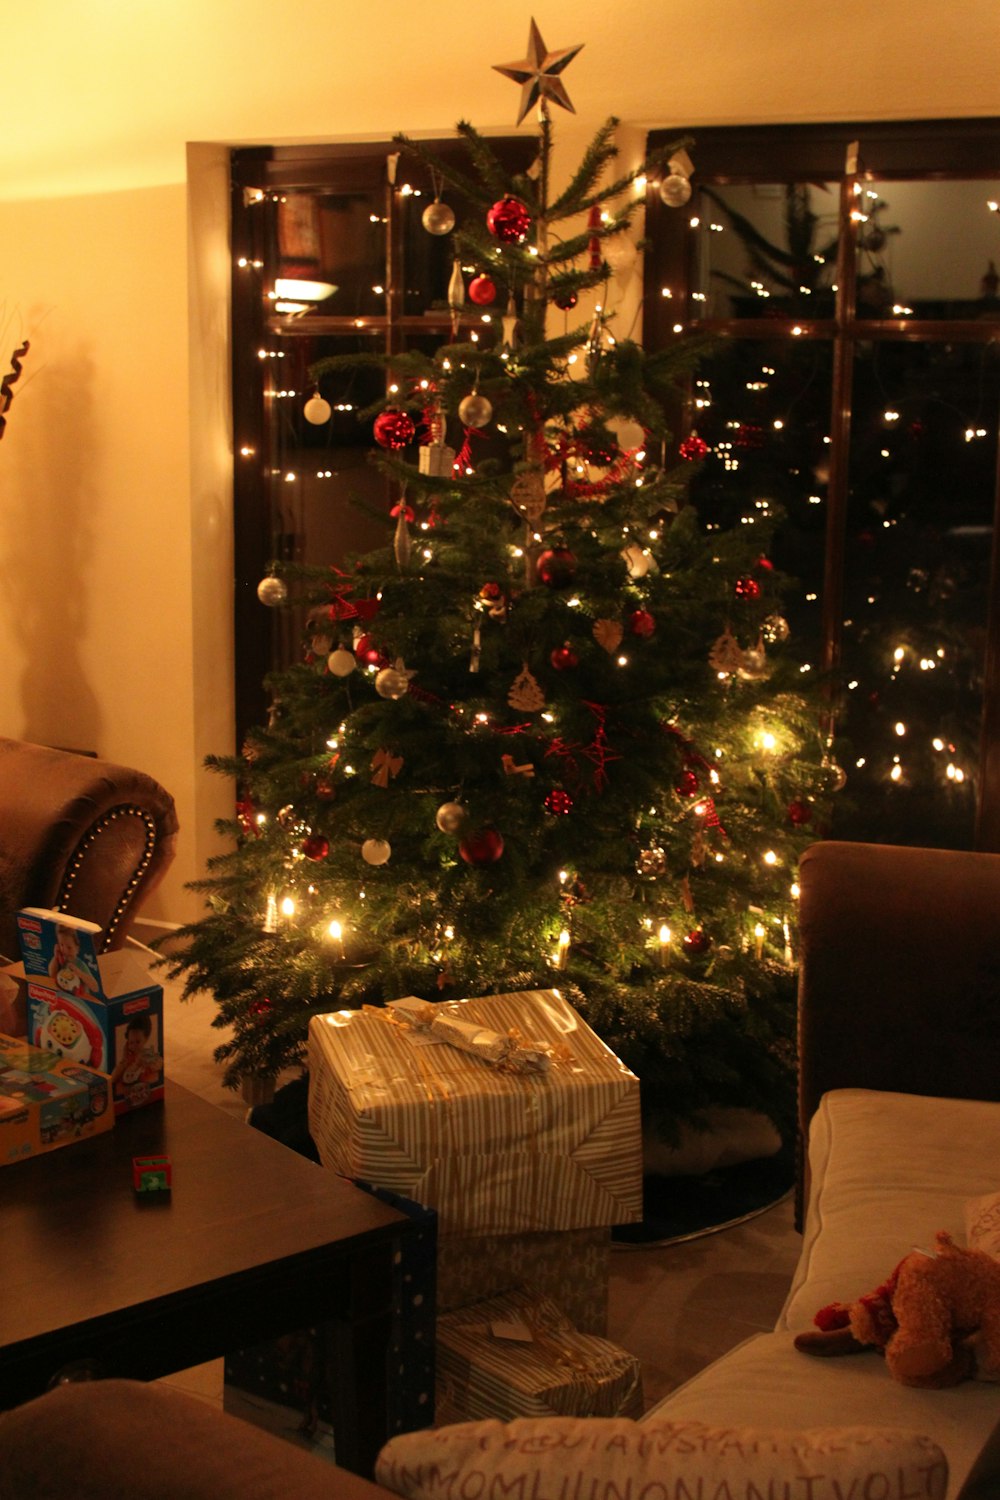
(254, 1241)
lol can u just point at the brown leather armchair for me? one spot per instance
(79, 835)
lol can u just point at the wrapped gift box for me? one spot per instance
(519, 1356)
(474, 1266)
(494, 1151)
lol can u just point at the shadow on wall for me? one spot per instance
(46, 542)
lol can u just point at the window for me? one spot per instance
(849, 277)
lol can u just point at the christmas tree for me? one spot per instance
(543, 736)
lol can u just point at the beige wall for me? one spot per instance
(115, 580)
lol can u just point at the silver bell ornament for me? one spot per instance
(317, 410)
(438, 218)
(474, 410)
(272, 591)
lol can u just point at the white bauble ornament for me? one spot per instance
(675, 190)
(438, 218)
(317, 411)
(392, 683)
(375, 851)
(342, 662)
(474, 410)
(272, 591)
(450, 816)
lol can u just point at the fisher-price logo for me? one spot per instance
(29, 924)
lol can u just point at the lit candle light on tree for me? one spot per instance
(664, 936)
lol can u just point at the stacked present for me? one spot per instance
(518, 1356)
(509, 1116)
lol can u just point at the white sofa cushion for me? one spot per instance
(887, 1172)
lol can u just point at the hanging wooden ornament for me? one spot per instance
(525, 694)
(527, 494)
(609, 634)
(385, 765)
(727, 656)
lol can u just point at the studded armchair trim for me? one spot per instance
(126, 810)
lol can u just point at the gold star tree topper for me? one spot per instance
(539, 73)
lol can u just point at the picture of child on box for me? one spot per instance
(139, 1064)
(66, 969)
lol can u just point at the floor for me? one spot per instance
(675, 1307)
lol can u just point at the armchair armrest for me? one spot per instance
(79, 835)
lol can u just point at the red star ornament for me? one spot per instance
(539, 73)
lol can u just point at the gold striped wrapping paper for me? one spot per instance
(571, 1267)
(560, 1372)
(493, 1152)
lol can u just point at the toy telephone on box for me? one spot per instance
(103, 1012)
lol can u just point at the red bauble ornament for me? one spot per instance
(315, 846)
(491, 592)
(641, 623)
(696, 942)
(693, 448)
(558, 802)
(686, 784)
(556, 567)
(484, 847)
(799, 813)
(746, 588)
(564, 658)
(565, 300)
(259, 1008)
(482, 291)
(368, 653)
(509, 221)
(394, 429)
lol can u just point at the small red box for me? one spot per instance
(152, 1174)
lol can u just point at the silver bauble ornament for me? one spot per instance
(317, 410)
(675, 190)
(342, 662)
(272, 591)
(775, 629)
(391, 683)
(474, 410)
(835, 775)
(450, 816)
(438, 218)
(375, 851)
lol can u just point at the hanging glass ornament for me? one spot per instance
(556, 567)
(438, 218)
(450, 816)
(393, 429)
(272, 591)
(317, 410)
(393, 682)
(475, 410)
(693, 448)
(456, 295)
(342, 662)
(376, 851)
(509, 221)
(482, 291)
(775, 629)
(675, 190)
(484, 847)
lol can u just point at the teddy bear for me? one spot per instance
(936, 1318)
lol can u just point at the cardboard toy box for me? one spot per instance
(102, 1012)
(519, 1356)
(47, 1101)
(494, 1151)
